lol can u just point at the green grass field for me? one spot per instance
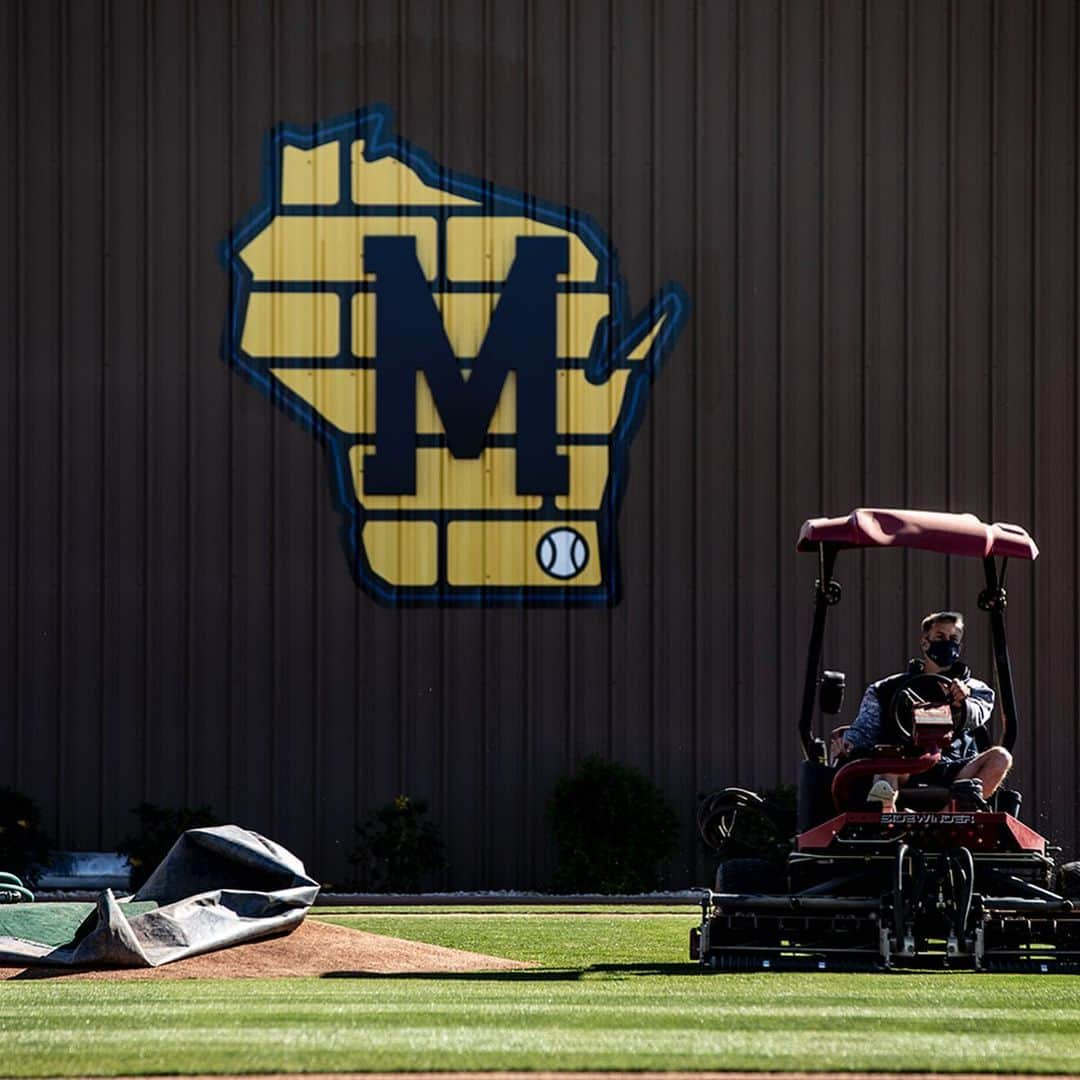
(610, 991)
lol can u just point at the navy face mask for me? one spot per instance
(944, 653)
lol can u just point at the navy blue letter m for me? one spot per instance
(411, 337)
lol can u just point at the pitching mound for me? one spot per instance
(314, 948)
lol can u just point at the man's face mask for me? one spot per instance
(943, 653)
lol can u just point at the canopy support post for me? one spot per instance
(826, 594)
(993, 600)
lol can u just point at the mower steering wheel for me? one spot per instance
(919, 689)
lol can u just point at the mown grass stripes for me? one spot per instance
(606, 994)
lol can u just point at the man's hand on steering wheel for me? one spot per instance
(919, 689)
(959, 692)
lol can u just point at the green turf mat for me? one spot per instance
(53, 924)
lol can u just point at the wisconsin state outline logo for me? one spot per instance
(463, 352)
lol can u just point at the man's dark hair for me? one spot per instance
(943, 616)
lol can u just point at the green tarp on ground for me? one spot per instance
(217, 887)
(53, 924)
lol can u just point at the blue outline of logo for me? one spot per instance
(615, 339)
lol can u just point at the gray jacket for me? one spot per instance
(864, 733)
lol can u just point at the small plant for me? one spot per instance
(159, 829)
(396, 847)
(613, 829)
(24, 845)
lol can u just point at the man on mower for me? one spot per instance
(970, 774)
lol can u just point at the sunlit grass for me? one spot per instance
(607, 992)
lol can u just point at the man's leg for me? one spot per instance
(991, 767)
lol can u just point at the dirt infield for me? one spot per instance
(314, 948)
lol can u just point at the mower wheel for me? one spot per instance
(746, 876)
(1068, 880)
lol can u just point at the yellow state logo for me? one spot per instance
(463, 352)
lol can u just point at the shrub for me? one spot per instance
(396, 847)
(24, 845)
(613, 829)
(159, 829)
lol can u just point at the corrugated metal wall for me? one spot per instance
(874, 210)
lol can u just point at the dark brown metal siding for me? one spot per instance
(874, 209)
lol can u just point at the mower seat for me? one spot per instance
(851, 780)
(926, 797)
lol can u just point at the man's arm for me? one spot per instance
(977, 706)
(863, 733)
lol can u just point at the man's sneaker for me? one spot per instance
(882, 792)
(968, 794)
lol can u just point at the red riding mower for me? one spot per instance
(935, 883)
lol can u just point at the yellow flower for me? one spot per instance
(401, 802)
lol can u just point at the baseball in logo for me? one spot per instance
(464, 353)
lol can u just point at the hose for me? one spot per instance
(898, 893)
(965, 866)
(13, 891)
(718, 811)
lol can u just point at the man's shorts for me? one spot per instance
(940, 775)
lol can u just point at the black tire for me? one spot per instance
(746, 876)
(1068, 880)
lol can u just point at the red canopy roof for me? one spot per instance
(949, 534)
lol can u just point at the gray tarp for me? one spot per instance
(216, 887)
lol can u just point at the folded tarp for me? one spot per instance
(217, 887)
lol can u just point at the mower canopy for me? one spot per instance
(926, 530)
(947, 534)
